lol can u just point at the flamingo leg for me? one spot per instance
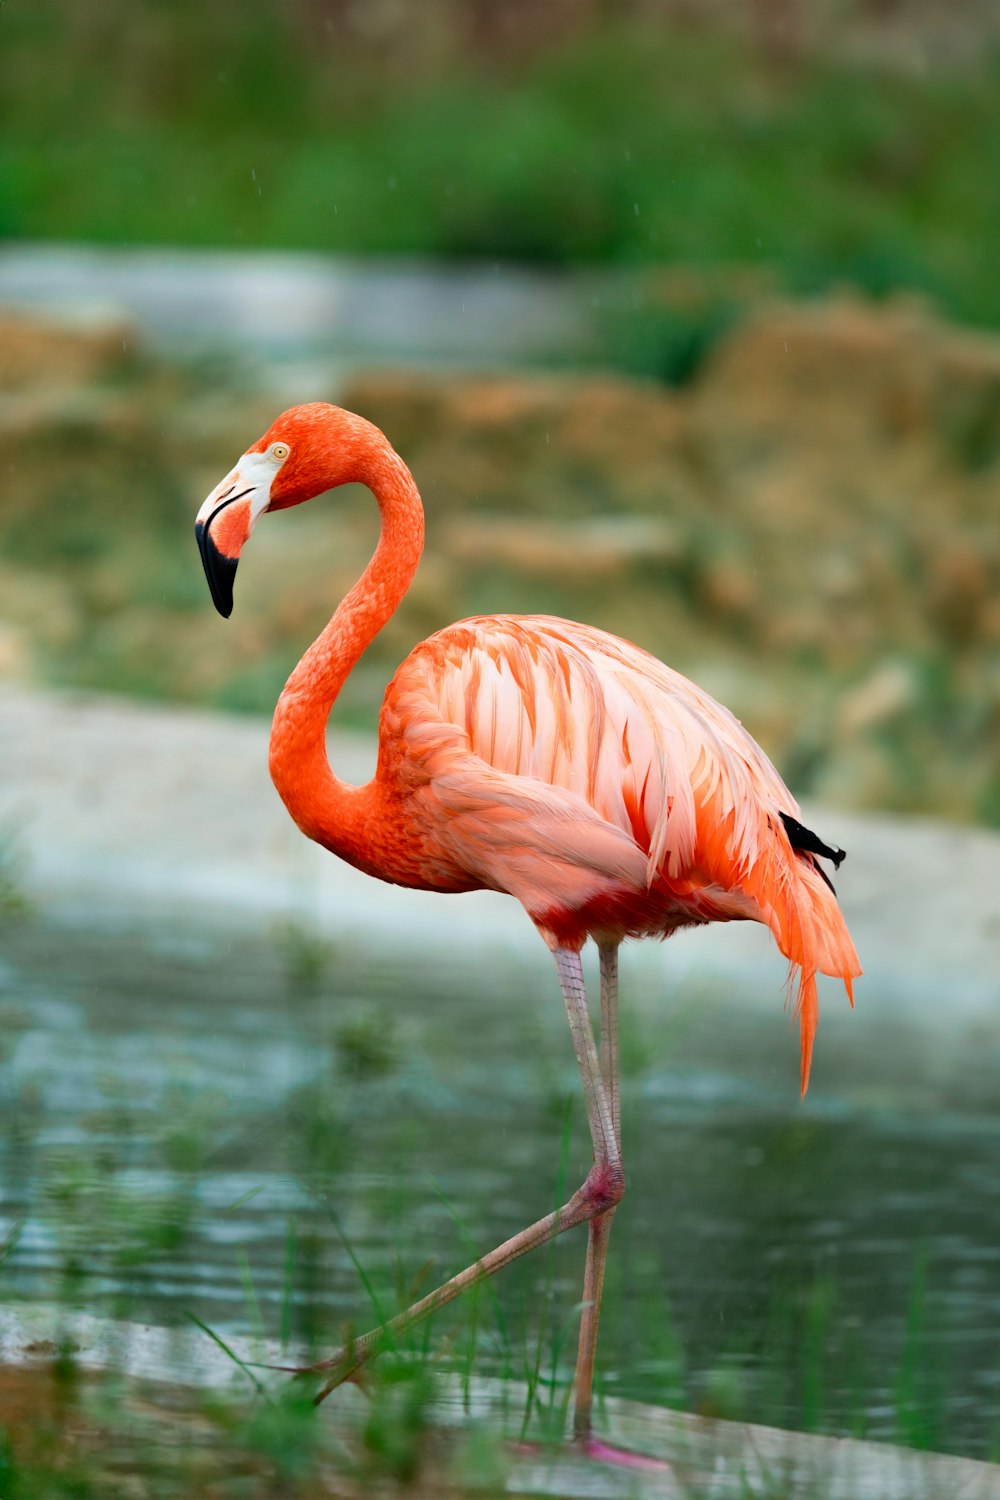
(602, 1189)
(609, 1033)
(599, 1228)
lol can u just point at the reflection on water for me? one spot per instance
(219, 1126)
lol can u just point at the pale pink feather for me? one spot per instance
(563, 765)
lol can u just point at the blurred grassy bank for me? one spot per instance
(863, 152)
(808, 527)
(801, 511)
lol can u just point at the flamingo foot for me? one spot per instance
(602, 1453)
(610, 1453)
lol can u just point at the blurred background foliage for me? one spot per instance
(850, 139)
(778, 464)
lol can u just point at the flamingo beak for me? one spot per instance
(221, 533)
(226, 520)
(220, 570)
(221, 528)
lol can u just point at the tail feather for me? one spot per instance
(808, 1010)
(791, 894)
(815, 941)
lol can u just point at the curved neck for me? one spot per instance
(325, 808)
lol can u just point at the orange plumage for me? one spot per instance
(608, 794)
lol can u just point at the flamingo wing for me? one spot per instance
(566, 766)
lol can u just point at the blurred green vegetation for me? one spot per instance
(637, 139)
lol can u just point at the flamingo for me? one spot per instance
(546, 759)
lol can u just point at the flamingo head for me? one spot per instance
(308, 449)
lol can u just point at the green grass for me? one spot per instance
(623, 144)
(134, 1201)
(270, 1433)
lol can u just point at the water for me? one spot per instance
(229, 1126)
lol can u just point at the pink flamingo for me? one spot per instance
(607, 793)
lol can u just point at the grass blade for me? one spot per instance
(230, 1354)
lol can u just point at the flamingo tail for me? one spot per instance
(811, 932)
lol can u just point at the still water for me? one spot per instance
(249, 1129)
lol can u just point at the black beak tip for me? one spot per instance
(219, 570)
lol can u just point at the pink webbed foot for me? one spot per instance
(623, 1458)
(602, 1453)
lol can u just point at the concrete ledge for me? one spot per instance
(712, 1459)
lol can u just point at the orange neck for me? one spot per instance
(325, 808)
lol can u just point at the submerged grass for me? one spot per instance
(126, 1218)
(80, 1435)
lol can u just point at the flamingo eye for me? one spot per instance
(280, 450)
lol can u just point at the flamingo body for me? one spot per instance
(608, 794)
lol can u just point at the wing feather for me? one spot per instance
(558, 757)
(587, 714)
